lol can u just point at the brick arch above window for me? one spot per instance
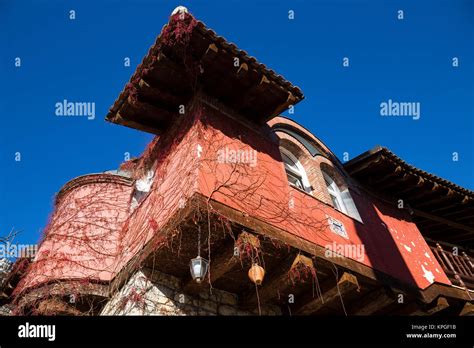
(304, 141)
(286, 128)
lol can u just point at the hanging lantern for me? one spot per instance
(256, 274)
(198, 267)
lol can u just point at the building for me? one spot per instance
(279, 223)
(12, 272)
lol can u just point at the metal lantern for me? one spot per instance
(198, 267)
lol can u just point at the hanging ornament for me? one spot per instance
(198, 266)
(256, 274)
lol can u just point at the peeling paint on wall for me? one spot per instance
(428, 275)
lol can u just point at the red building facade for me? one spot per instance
(229, 178)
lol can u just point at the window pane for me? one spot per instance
(335, 202)
(289, 164)
(294, 171)
(350, 205)
(293, 179)
(327, 180)
(335, 193)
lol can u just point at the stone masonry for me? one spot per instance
(154, 293)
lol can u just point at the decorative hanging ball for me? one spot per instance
(256, 274)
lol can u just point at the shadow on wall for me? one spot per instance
(380, 246)
(259, 138)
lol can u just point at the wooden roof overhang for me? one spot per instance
(442, 210)
(188, 59)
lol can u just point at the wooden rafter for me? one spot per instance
(433, 217)
(373, 302)
(347, 283)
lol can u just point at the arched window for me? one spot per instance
(294, 171)
(341, 199)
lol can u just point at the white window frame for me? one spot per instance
(343, 198)
(142, 188)
(300, 173)
(334, 190)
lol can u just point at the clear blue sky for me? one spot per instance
(82, 60)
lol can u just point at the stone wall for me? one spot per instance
(154, 293)
(5, 310)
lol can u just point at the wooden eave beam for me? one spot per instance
(210, 55)
(373, 302)
(409, 194)
(160, 97)
(265, 87)
(242, 71)
(441, 303)
(118, 119)
(417, 192)
(364, 166)
(347, 283)
(167, 74)
(147, 111)
(449, 196)
(389, 177)
(459, 215)
(255, 91)
(255, 101)
(453, 208)
(222, 79)
(462, 238)
(290, 100)
(403, 180)
(459, 226)
(416, 309)
(430, 225)
(468, 309)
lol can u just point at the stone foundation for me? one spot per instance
(153, 293)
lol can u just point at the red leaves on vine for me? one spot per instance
(179, 29)
(153, 224)
(302, 273)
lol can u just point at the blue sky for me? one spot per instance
(407, 60)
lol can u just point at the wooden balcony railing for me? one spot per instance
(458, 267)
